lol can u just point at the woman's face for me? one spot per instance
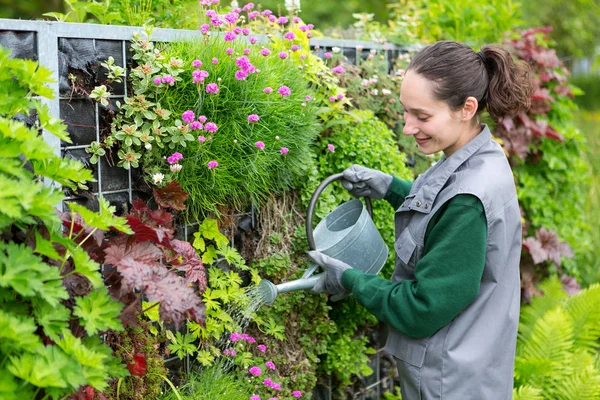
(433, 124)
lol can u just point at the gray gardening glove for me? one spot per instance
(366, 182)
(331, 282)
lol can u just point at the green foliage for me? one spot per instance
(37, 257)
(575, 24)
(211, 383)
(469, 21)
(557, 345)
(590, 85)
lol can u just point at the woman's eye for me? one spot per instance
(422, 119)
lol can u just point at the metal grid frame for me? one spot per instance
(48, 37)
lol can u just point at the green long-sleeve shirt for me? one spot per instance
(447, 276)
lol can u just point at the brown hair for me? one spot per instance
(491, 76)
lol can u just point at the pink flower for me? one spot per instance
(331, 147)
(253, 118)
(188, 116)
(270, 365)
(254, 397)
(243, 62)
(267, 12)
(241, 75)
(212, 88)
(308, 98)
(237, 30)
(252, 39)
(195, 126)
(338, 70)
(272, 18)
(246, 51)
(211, 127)
(302, 56)
(196, 63)
(233, 352)
(340, 96)
(226, 351)
(283, 55)
(168, 79)
(211, 14)
(157, 81)
(215, 1)
(216, 22)
(204, 28)
(276, 386)
(230, 36)
(253, 14)
(174, 158)
(296, 20)
(262, 348)
(202, 118)
(332, 98)
(245, 31)
(310, 26)
(308, 35)
(248, 7)
(201, 139)
(250, 339)
(284, 91)
(231, 17)
(304, 28)
(289, 36)
(267, 90)
(213, 164)
(215, 60)
(265, 52)
(328, 55)
(260, 145)
(229, 51)
(284, 151)
(295, 47)
(273, 398)
(297, 393)
(282, 20)
(256, 371)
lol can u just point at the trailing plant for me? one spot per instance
(53, 301)
(557, 346)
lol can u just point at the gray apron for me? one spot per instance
(471, 358)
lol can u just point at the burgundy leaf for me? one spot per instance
(535, 249)
(191, 263)
(171, 196)
(138, 366)
(143, 232)
(570, 285)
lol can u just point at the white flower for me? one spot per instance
(148, 146)
(234, 4)
(385, 92)
(373, 51)
(292, 6)
(335, 49)
(158, 177)
(374, 92)
(176, 167)
(366, 82)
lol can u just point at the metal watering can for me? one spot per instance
(347, 233)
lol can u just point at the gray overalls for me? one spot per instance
(471, 358)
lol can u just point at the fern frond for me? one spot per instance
(583, 384)
(527, 392)
(584, 311)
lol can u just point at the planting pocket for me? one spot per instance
(410, 356)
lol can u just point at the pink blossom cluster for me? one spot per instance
(273, 385)
(284, 91)
(212, 88)
(253, 118)
(227, 352)
(234, 337)
(175, 158)
(245, 68)
(199, 75)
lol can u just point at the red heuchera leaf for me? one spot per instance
(138, 366)
(149, 216)
(140, 269)
(547, 246)
(191, 263)
(144, 232)
(171, 196)
(570, 285)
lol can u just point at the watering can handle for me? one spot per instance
(313, 202)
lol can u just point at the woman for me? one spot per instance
(453, 302)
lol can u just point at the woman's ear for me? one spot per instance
(469, 109)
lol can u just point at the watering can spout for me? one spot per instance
(268, 291)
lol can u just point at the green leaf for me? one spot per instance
(198, 242)
(151, 310)
(45, 248)
(205, 358)
(28, 275)
(17, 334)
(48, 367)
(52, 319)
(87, 267)
(210, 230)
(210, 255)
(182, 345)
(103, 220)
(98, 311)
(10, 389)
